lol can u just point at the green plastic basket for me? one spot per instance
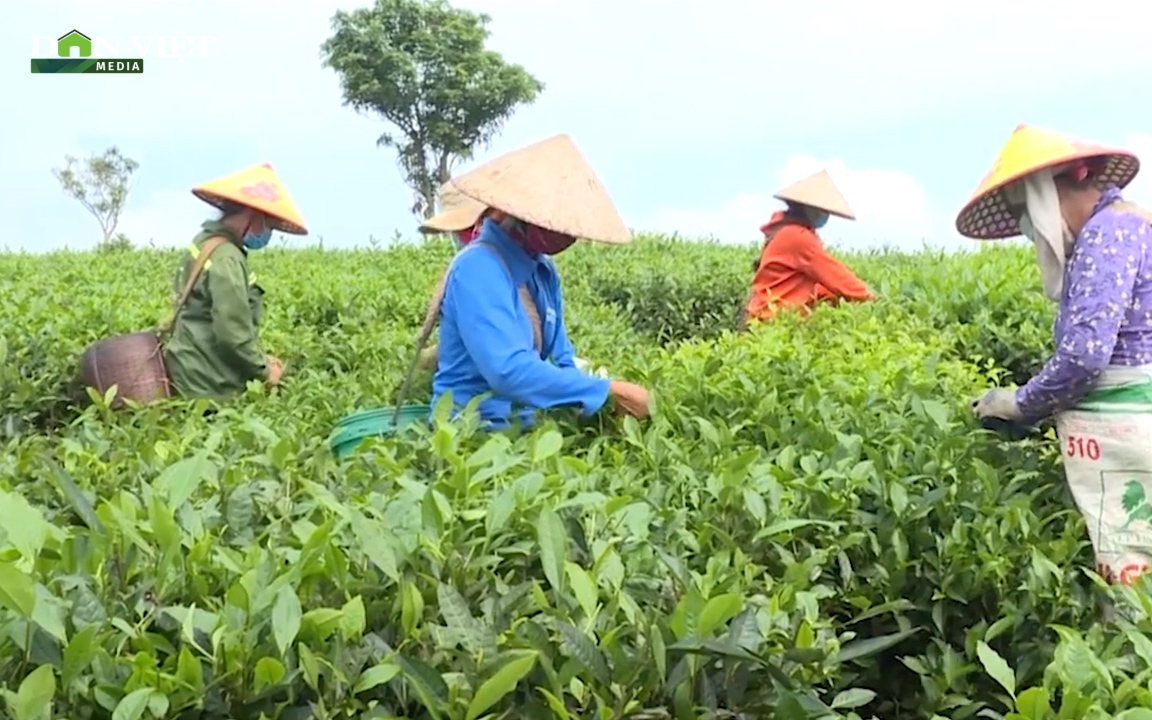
(351, 430)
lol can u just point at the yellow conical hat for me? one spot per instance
(458, 212)
(986, 215)
(548, 184)
(259, 188)
(817, 191)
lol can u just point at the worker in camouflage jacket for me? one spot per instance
(214, 350)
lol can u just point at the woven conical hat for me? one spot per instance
(817, 191)
(986, 215)
(259, 188)
(458, 212)
(551, 185)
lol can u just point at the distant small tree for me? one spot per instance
(100, 183)
(421, 65)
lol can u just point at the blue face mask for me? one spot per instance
(255, 241)
(819, 219)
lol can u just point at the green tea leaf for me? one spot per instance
(48, 614)
(286, 616)
(34, 697)
(852, 698)
(583, 586)
(426, 683)
(1033, 703)
(860, 649)
(718, 611)
(17, 590)
(553, 542)
(180, 480)
(78, 655)
(133, 705)
(375, 675)
(584, 650)
(24, 525)
(995, 666)
(502, 682)
(268, 671)
(547, 445)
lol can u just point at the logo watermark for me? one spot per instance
(77, 52)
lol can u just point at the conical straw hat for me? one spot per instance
(986, 215)
(548, 184)
(458, 212)
(817, 191)
(259, 188)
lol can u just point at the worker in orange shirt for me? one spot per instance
(794, 269)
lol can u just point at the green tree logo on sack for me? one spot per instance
(74, 55)
(1135, 503)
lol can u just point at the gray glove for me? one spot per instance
(998, 403)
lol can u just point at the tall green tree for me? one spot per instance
(100, 183)
(422, 66)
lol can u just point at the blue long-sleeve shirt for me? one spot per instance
(486, 343)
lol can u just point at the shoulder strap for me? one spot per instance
(742, 319)
(1126, 206)
(432, 317)
(525, 298)
(210, 245)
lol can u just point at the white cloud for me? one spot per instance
(891, 207)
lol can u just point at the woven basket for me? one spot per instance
(133, 363)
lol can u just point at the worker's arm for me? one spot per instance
(826, 270)
(232, 317)
(1100, 278)
(500, 343)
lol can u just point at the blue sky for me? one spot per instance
(693, 113)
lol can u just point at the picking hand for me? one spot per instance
(997, 403)
(631, 399)
(275, 370)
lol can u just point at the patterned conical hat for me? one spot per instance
(458, 212)
(259, 188)
(986, 215)
(551, 185)
(817, 191)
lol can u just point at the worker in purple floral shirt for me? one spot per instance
(1095, 256)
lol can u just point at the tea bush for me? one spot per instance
(810, 525)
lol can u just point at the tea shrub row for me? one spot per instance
(810, 526)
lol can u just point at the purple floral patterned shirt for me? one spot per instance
(1105, 312)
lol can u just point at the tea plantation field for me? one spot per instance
(810, 526)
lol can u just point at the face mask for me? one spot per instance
(818, 218)
(255, 241)
(536, 239)
(466, 236)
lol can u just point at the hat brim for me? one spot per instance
(277, 222)
(817, 206)
(988, 216)
(453, 221)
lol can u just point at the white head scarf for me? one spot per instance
(1044, 224)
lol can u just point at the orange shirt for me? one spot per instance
(796, 271)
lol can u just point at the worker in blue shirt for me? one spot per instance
(501, 310)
